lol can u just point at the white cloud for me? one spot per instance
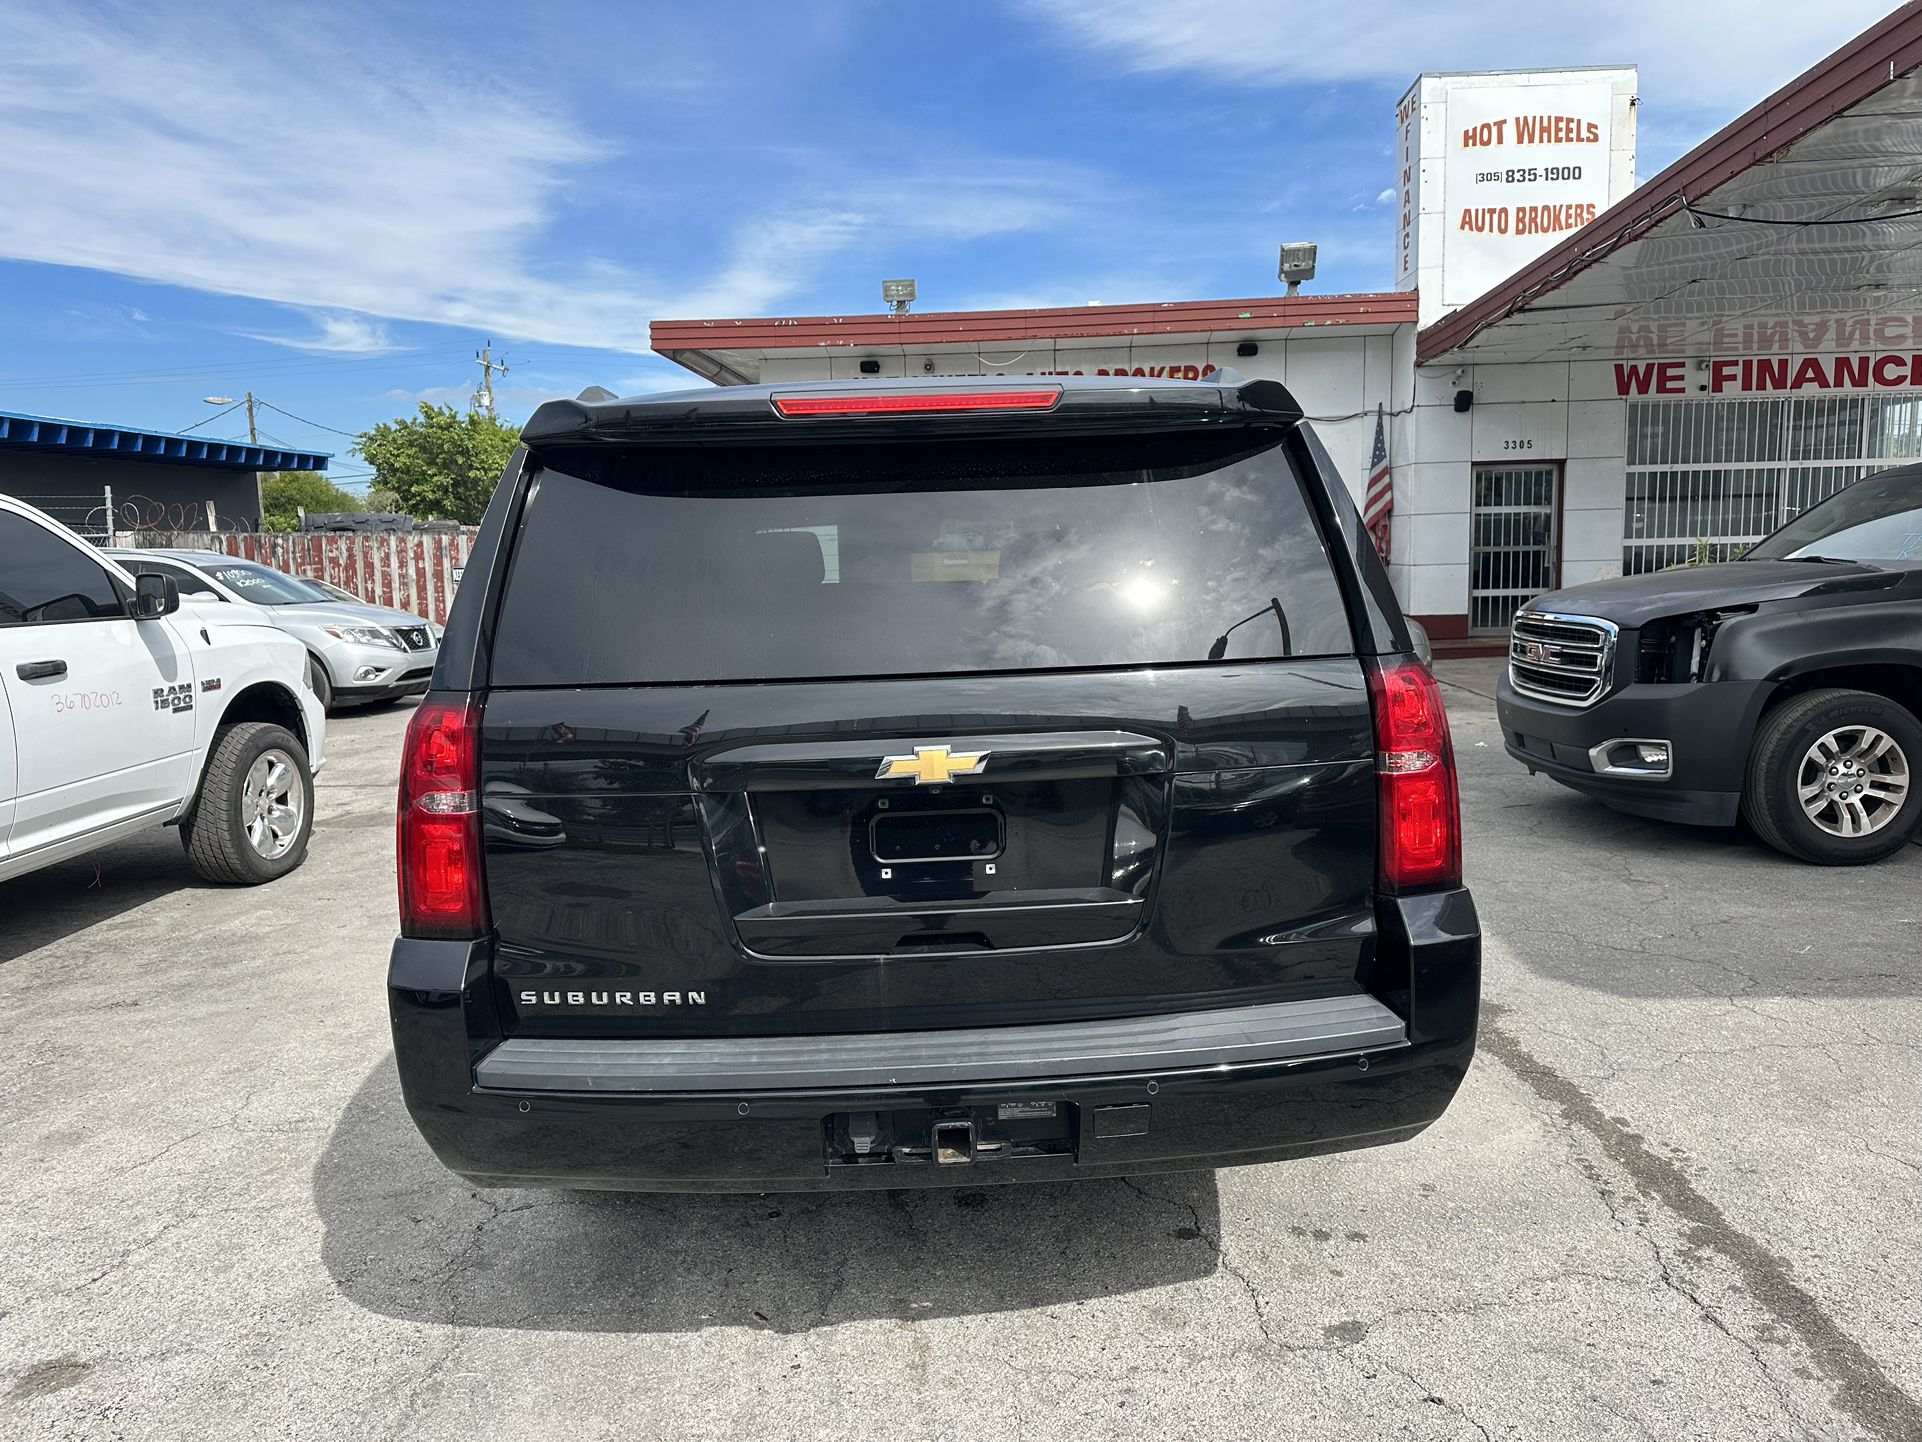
(1142, 282)
(961, 199)
(663, 376)
(1694, 55)
(1387, 196)
(301, 156)
(96, 318)
(336, 333)
(250, 161)
(458, 396)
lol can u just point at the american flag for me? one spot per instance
(1379, 504)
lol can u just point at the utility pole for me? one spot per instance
(484, 397)
(253, 431)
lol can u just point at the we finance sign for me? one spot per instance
(1763, 375)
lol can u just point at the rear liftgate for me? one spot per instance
(932, 863)
(819, 853)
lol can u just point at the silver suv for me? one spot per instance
(357, 653)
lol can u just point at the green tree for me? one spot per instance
(285, 494)
(442, 462)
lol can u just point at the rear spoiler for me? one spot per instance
(974, 406)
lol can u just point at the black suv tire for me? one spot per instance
(216, 831)
(1772, 801)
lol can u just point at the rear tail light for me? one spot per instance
(442, 893)
(937, 401)
(1421, 828)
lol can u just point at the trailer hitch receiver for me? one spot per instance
(954, 1141)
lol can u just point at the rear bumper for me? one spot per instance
(1707, 727)
(550, 1123)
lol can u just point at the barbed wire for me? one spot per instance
(144, 513)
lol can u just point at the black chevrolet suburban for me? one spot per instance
(1781, 689)
(917, 783)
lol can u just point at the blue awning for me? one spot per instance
(44, 433)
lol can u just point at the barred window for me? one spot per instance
(1708, 479)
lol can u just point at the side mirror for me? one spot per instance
(154, 596)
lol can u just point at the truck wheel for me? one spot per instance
(1831, 777)
(254, 813)
(319, 683)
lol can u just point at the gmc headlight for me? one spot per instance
(365, 635)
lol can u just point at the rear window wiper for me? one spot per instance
(1220, 648)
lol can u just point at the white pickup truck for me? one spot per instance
(118, 713)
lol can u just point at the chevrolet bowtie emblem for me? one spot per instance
(932, 766)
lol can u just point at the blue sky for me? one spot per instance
(334, 205)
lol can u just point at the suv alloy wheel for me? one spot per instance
(1831, 777)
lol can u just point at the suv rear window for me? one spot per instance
(753, 563)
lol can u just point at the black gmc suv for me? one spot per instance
(921, 783)
(1782, 688)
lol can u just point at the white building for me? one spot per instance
(1579, 377)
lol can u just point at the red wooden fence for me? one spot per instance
(410, 572)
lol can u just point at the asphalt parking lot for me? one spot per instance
(1678, 1196)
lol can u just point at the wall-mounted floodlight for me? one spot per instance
(1297, 264)
(899, 294)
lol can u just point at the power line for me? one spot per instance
(187, 379)
(288, 364)
(185, 430)
(351, 435)
(1698, 215)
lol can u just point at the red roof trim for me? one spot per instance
(1889, 48)
(1187, 317)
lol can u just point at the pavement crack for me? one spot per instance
(1860, 1389)
(1430, 1395)
(417, 1395)
(450, 1274)
(1873, 1150)
(1222, 1260)
(174, 1145)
